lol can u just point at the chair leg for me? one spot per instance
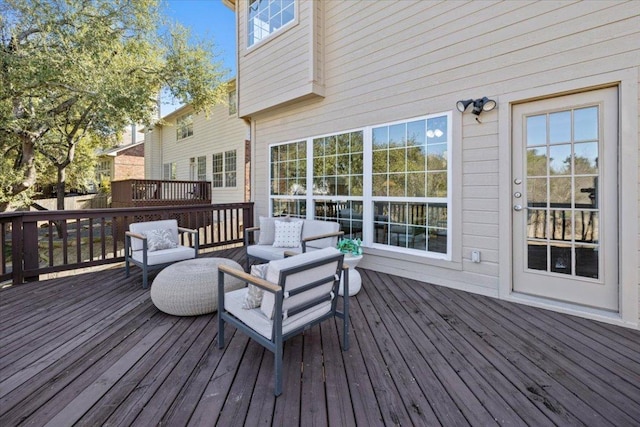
(277, 359)
(220, 332)
(145, 277)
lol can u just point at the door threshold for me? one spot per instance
(586, 312)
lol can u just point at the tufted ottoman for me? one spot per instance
(190, 288)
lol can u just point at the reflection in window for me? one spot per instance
(224, 169)
(265, 17)
(184, 126)
(562, 192)
(408, 196)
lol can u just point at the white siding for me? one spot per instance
(284, 67)
(217, 133)
(387, 61)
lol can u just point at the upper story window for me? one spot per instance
(267, 17)
(184, 126)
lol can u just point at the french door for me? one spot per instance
(565, 198)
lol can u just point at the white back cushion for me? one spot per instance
(296, 280)
(143, 227)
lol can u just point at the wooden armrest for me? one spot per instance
(246, 277)
(136, 235)
(252, 229)
(187, 230)
(323, 236)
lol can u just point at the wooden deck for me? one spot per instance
(91, 349)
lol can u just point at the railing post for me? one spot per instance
(30, 249)
(16, 250)
(247, 218)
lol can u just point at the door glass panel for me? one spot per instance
(586, 158)
(560, 159)
(561, 259)
(586, 226)
(560, 225)
(537, 192)
(562, 192)
(536, 223)
(537, 130)
(586, 191)
(560, 127)
(586, 124)
(537, 161)
(537, 255)
(587, 261)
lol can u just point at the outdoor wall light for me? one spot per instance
(479, 105)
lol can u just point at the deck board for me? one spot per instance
(91, 349)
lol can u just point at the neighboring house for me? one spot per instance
(121, 162)
(195, 147)
(353, 111)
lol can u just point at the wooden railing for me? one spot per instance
(151, 192)
(35, 243)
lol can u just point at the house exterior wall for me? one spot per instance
(386, 61)
(216, 133)
(128, 167)
(297, 72)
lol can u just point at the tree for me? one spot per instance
(72, 68)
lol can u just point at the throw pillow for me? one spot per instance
(287, 234)
(160, 239)
(253, 298)
(267, 231)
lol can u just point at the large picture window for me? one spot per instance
(387, 184)
(266, 17)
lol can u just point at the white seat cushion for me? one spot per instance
(165, 256)
(256, 320)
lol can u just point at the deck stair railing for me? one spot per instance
(36, 243)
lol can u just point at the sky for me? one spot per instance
(206, 19)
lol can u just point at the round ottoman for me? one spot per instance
(190, 288)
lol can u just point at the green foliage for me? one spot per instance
(74, 68)
(350, 246)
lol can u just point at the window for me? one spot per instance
(184, 127)
(387, 184)
(233, 103)
(230, 168)
(198, 171)
(266, 17)
(409, 183)
(169, 171)
(224, 169)
(289, 178)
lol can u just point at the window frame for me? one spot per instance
(171, 170)
(184, 126)
(221, 174)
(304, 204)
(252, 42)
